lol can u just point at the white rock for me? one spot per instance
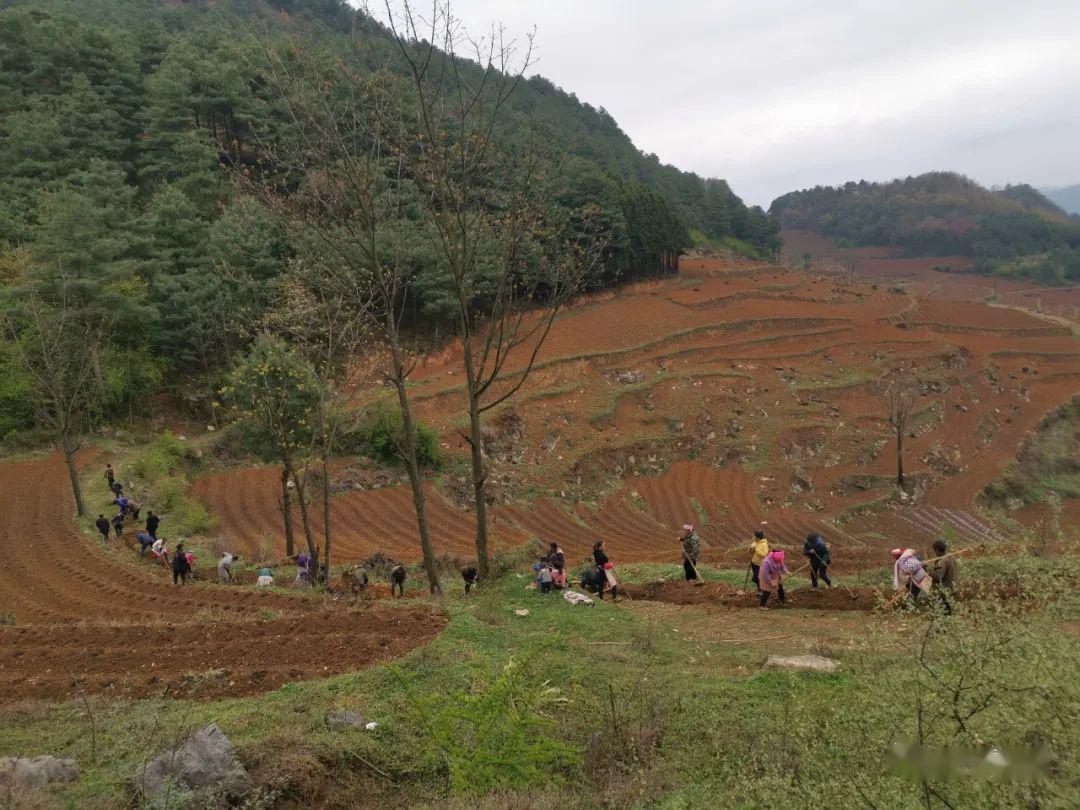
(29, 773)
(816, 663)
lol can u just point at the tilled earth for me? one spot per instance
(86, 623)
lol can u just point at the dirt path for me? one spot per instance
(84, 621)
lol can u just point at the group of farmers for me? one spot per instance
(181, 562)
(912, 576)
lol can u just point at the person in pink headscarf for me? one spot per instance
(909, 574)
(771, 578)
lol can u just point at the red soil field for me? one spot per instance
(84, 620)
(734, 394)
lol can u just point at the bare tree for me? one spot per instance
(329, 329)
(330, 175)
(509, 261)
(898, 401)
(56, 347)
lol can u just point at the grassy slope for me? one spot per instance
(697, 723)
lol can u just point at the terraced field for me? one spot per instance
(86, 621)
(734, 396)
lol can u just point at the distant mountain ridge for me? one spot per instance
(1015, 230)
(1067, 197)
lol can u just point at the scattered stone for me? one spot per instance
(205, 764)
(344, 718)
(31, 773)
(632, 377)
(816, 663)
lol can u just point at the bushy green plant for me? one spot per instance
(497, 738)
(14, 395)
(380, 433)
(162, 458)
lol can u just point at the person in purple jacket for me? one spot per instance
(771, 578)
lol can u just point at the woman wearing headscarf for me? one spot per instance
(909, 574)
(771, 577)
(557, 561)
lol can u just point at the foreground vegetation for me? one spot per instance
(637, 704)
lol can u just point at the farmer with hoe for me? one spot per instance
(942, 572)
(759, 550)
(820, 559)
(145, 541)
(771, 578)
(691, 548)
(908, 573)
(152, 523)
(181, 566)
(224, 567)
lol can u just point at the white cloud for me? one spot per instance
(782, 94)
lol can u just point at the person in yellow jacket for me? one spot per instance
(759, 550)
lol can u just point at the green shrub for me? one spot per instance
(160, 469)
(496, 738)
(162, 458)
(380, 432)
(15, 414)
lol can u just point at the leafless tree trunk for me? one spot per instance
(70, 449)
(58, 350)
(286, 511)
(350, 202)
(898, 401)
(493, 220)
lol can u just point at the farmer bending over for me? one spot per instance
(771, 578)
(145, 542)
(102, 525)
(397, 580)
(943, 574)
(820, 559)
(909, 574)
(224, 567)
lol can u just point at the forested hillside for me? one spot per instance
(121, 122)
(1067, 198)
(1011, 231)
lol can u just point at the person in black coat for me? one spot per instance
(604, 571)
(471, 577)
(820, 559)
(180, 566)
(152, 522)
(102, 524)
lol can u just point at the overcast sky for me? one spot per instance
(775, 95)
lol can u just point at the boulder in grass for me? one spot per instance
(814, 663)
(31, 773)
(204, 766)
